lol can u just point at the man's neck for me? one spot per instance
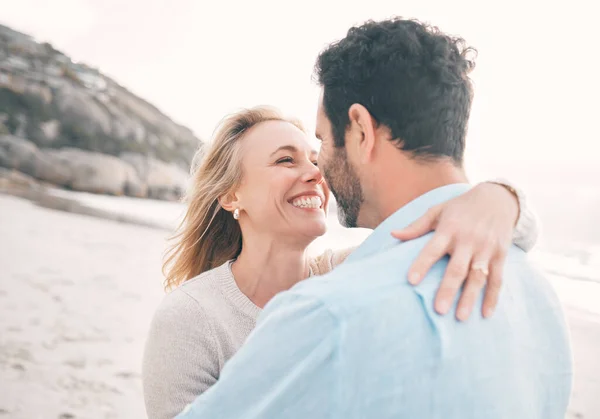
(396, 183)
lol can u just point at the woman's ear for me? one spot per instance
(229, 201)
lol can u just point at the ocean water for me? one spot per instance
(568, 250)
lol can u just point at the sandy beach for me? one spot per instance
(76, 297)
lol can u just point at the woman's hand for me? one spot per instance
(476, 230)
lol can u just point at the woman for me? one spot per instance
(257, 201)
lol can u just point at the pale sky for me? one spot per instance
(536, 85)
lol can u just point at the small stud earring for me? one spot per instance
(236, 214)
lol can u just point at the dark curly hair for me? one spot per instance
(410, 76)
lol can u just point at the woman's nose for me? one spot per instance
(312, 174)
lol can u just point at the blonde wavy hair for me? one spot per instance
(208, 235)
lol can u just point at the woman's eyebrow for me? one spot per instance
(291, 149)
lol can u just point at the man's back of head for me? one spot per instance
(393, 116)
(410, 76)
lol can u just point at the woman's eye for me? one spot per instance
(285, 160)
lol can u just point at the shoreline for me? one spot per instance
(56, 199)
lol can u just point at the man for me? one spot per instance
(358, 343)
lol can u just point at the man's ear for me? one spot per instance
(361, 133)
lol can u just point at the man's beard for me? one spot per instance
(345, 186)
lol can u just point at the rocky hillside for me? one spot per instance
(66, 123)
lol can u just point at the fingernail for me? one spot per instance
(414, 277)
(443, 307)
(462, 314)
(488, 311)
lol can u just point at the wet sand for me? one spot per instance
(76, 297)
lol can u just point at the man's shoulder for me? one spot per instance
(353, 281)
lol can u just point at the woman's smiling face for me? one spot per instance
(282, 191)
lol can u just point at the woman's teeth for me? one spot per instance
(308, 202)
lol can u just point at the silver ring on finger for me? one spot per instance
(481, 266)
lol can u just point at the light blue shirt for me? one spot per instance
(361, 342)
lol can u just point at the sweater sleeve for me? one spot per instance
(180, 360)
(329, 259)
(527, 229)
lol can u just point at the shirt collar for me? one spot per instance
(381, 237)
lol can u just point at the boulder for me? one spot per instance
(12, 179)
(163, 180)
(22, 155)
(15, 151)
(99, 173)
(78, 106)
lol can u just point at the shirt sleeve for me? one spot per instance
(286, 368)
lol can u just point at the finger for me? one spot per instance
(456, 273)
(494, 283)
(473, 287)
(434, 250)
(420, 227)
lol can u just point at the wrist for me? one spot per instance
(514, 193)
(527, 228)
